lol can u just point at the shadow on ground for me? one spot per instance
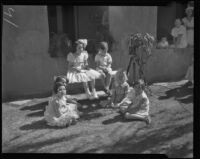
(34, 147)
(179, 94)
(40, 124)
(89, 113)
(151, 142)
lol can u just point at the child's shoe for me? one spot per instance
(89, 95)
(107, 91)
(94, 94)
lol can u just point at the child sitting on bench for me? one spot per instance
(103, 65)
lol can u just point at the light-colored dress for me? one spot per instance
(164, 44)
(136, 104)
(119, 92)
(79, 62)
(180, 31)
(60, 112)
(190, 30)
(104, 61)
(190, 73)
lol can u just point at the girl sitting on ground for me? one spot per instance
(61, 111)
(119, 89)
(190, 74)
(78, 70)
(136, 105)
(65, 81)
(103, 65)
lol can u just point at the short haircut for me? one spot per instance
(141, 83)
(103, 46)
(61, 79)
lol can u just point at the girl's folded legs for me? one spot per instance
(145, 118)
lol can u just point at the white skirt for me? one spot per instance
(93, 74)
(84, 76)
(63, 120)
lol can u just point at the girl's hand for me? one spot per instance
(86, 67)
(78, 70)
(118, 105)
(112, 104)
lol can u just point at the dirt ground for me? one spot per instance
(103, 130)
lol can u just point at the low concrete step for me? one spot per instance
(83, 96)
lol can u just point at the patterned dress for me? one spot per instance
(119, 92)
(60, 112)
(136, 104)
(79, 62)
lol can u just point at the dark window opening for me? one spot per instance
(61, 30)
(166, 16)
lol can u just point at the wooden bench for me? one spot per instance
(83, 96)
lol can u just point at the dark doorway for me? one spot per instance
(69, 21)
(52, 19)
(166, 18)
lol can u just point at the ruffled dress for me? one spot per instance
(60, 112)
(79, 62)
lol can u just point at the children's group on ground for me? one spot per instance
(131, 102)
(63, 111)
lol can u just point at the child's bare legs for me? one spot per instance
(103, 76)
(86, 88)
(94, 93)
(145, 118)
(108, 80)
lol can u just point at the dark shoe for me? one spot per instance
(107, 91)
(189, 83)
(148, 120)
(74, 121)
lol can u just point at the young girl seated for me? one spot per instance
(62, 80)
(136, 105)
(163, 44)
(78, 70)
(103, 65)
(119, 89)
(190, 73)
(61, 111)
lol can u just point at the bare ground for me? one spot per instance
(103, 130)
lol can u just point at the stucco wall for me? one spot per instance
(168, 64)
(27, 67)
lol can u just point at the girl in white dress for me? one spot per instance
(78, 70)
(188, 21)
(190, 73)
(61, 111)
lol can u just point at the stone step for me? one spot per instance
(83, 96)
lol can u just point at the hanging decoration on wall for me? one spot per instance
(140, 46)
